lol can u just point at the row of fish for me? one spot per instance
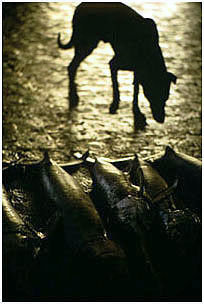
(134, 237)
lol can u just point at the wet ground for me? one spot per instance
(35, 87)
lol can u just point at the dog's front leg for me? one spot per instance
(139, 117)
(116, 95)
(73, 97)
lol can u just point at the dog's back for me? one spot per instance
(104, 21)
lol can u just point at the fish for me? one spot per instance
(188, 171)
(156, 188)
(174, 234)
(14, 226)
(100, 266)
(127, 218)
(20, 245)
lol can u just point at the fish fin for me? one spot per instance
(46, 159)
(169, 150)
(164, 193)
(85, 155)
(136, 159)
(96, 159)
(135, 165)
(136, 170)
(141, 181)
(142, 190)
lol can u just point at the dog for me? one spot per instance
(135, 41)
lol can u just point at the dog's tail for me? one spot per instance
(67, 46)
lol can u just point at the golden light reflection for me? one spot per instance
(155, 9)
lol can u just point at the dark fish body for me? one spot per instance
(127, 220)
(188, 171)
(81, 220)
(99, 264)
(174, 244)
(12, 222)
(117, 192)
(154, 185)
(152, 181)
(183, 244)
(19, 244)
(14, 228)
(112, 182)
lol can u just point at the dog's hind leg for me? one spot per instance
(80, 54)
(116, 95)
(139, 117)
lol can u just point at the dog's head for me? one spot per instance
(154, 77)
(156, 90)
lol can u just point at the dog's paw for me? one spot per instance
(140, 122)
(113, 108)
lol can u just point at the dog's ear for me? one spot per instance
(172, 77)
(150, 21)
(151, 28)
